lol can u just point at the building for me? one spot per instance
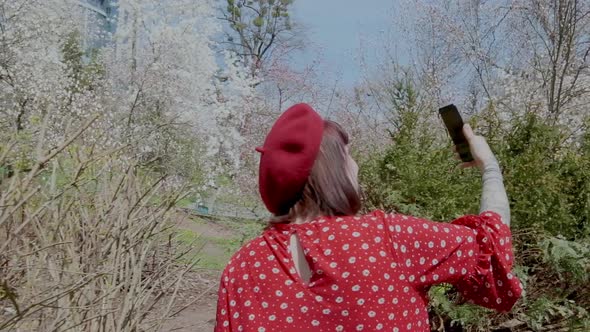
(99, 22)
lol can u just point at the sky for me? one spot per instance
(338, 28)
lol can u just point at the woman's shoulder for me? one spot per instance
(398, 222)
(390, 216)
(246, 255)
(366, 219)
(373, 215)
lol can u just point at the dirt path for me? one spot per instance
(200, 315)
(200, 288)
(207, 228)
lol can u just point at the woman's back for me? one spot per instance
(368, 273)
(352, 273)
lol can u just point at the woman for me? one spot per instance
(319, 267)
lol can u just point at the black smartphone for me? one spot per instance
(454, 123)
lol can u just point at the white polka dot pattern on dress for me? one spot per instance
(370, 269)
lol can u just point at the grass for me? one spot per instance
(186, 202)
(202, 252)
(212, 252)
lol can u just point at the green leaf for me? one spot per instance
(258, 22)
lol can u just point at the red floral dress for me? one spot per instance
(369, 273)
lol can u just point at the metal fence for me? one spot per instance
(230, 211)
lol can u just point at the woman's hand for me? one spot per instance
(480, 150)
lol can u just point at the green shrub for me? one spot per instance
(547, 177)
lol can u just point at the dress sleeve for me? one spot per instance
(222, 321)
(474, 253)
(492, 284)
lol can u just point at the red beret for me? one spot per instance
(288, 155)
